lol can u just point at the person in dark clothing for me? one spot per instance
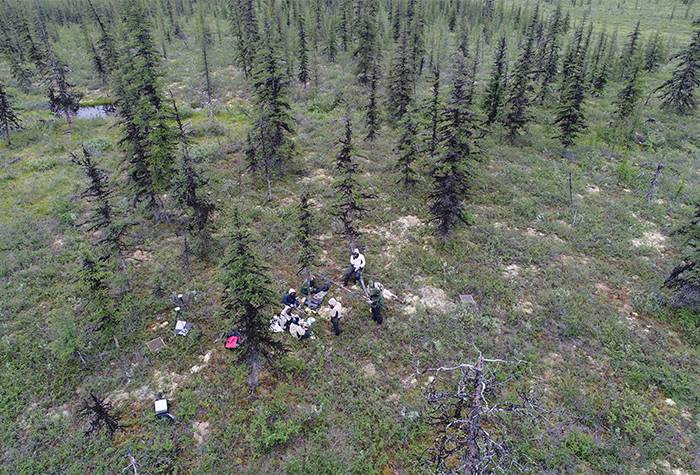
(376, 297)
(311, 287)
(290, 298)
(313, 292)
(336, 315)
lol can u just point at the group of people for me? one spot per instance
(313, 293)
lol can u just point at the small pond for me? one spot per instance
(95, 112)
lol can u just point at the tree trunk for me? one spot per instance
(472, 457)
(206, 76)
(186, 255)
(253, 374)
(652, 186)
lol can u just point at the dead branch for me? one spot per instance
(472, 436)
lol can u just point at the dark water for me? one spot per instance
(95, 112)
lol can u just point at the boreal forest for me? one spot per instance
(349, 237)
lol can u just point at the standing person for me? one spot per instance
(357, 265)
(376, 297)
(336, 315)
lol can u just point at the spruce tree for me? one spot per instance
(188, 186)
(401, 80)
(631, 92)
(63, 99)
(308, 248)
(102, 220)
(453, 169)
(678, 92)
(275, 125)
(495, 88)
(569, 115)
(348, 206)
(332, 46)
(407, 149)
(148, 139)
(417, 40)
(548, 62)
(372, 111)
(343, 26)
(516, 113)
(630, 52)
(601, 74)
(367, 51)
(98, 307)
(105, 43)
(654, 53)
(597, 58)
(396, 22)
(9, 120)
(97, 61)
(684, 279)
(473, 71)
(19, 69)
(247, 34)
(248, 295)
(205, 41)
(434, 111)
(303, 54)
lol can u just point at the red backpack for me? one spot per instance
(232, 342)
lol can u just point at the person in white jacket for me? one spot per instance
(336, 315)
(299, 329)
(357, 265)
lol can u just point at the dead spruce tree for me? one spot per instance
(466, 405)
(9, 120)
(248, 293)
(100, 413)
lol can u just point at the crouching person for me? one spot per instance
(291, 299)
(336, 315)
(299, 329)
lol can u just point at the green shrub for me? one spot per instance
(627, 174)
(632, 418)
(99, 144)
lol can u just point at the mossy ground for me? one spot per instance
(563, 288)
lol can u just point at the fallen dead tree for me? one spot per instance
(467, 406)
